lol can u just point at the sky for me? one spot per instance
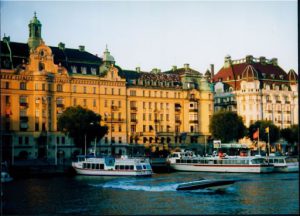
(160, 34)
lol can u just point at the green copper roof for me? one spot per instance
(35, 20)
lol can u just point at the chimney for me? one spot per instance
(186, 66)
(249, 59)
(138, 69)
(174, 68)
(81, 48)
(212, 70)
(61, 46)
(6, 39)
(227, 61)
(274, 61)
(262, 60)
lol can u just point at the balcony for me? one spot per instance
(60, 105)
(24, 104)
(277, 101)
(114, 120)
(192, 99)
(23, 125)
(193, 121)
(156, 121)
(135, 121)
(177, 109)
(134, 109)
(24, 118)
(178, 121)
(193, 110)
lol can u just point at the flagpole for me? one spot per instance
(258, 142)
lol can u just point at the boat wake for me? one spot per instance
(150, 185)
(139, 185)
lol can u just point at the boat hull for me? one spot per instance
(112, 172)
(287, 168)
(206, 184)
(223, 168)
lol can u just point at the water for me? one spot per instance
(90, 195)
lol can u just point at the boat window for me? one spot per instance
(84, 165)
(271, 160)
(210, 162)
(138, 167)
(290, 160)
(131, 167)
(258, 161)
(144, 167)
(117, 167)
(195, 161)
(280, 160)
(126, 167)
(88, 165)
(177, 161)
(122, 167)
(148, 167)
(101, 166)
(188, 161)
(93, 166)
(97, 166)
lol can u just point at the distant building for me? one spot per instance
(158, 110)
(257, 89)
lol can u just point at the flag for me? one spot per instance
(256, 134)
(267, 129)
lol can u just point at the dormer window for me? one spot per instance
(281, 76)
(264, 75)
(93, 71)
(272, 76)
(83, 70)
(74, 69)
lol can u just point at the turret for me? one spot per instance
(35, 33)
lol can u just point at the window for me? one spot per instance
(120, 139)
(37, 126)
(167, 117)
(150, 117)
(132, 93)
(144, 128)
(112, 91)
(84, 102)
(167, 105)
(43, 86)
(112, 128)
(94, 103)
(105, 90)
(7, 85)
(23, 85)
(74, 102)
(167, 94)
(36, 86)
(41, 66)
(26, 140)
(119, 91)
(144, 116)
(84, 89)
(83, 70)
(63, 140)
(59, 88)
(94, 90)
(105, 103)
(119, 104)
(93, 71)
(74, 69)
(120, 128)
(113, 140)
(20, 140)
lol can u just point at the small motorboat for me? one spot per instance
(206, 184)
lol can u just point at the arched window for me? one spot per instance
(41, 66)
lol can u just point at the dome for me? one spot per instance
(250, 73)
(107, 57)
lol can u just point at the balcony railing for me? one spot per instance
(133, 109)
(24, 118)
(193, 121)
(134, 121)
(60, 105)
(156, 121)
(114, 120)
(25, 104)
(193, 110)
(178, 121)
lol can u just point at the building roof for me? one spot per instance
(265, 70)
(67, 57)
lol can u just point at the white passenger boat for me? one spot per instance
(112, 166)
(188, 161)
(284, 164)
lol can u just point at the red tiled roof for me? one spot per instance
(233, 74)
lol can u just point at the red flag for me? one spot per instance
(256, 134)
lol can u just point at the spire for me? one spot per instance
(35, 32)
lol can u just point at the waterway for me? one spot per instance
(275, 193)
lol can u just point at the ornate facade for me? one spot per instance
(257, 89)
(159, 110)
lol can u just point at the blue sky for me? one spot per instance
(163, 33)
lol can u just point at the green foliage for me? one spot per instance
(227, 126)
(262, 125)
(290, 134)
(77, 122)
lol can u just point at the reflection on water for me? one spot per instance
(91, 195)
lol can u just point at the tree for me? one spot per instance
(78, 123)
(290, 134)
(227, 126)
(262, 125)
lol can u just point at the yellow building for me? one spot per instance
(159, 110)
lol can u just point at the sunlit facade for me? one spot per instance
(158, 110)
